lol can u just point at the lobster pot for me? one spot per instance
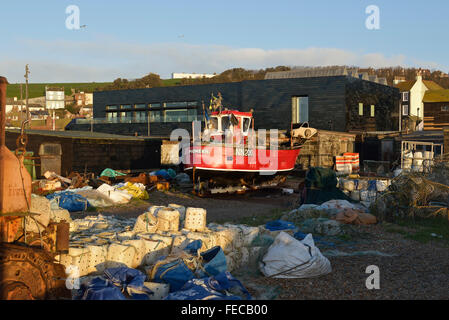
(417, 162)
(209, 240)
(146, 222)
(78, 257)
(353, 160)
(181, 209)
(255, 255)
(355, 195)
(168, 220)
(153, 250)
(179, 242)
(154, 210)
(249, 234)
(140, 251)
(362, 185)
(428, 155)
(119, 255)
(97, 258)
(233, 260)
(160, 290)
(381, 185)
(195, 219)
(407, 160)
(349, 185)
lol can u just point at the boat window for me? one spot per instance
(225, 123)
(214, 123)
(246, 124)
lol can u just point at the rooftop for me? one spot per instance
(436, 96)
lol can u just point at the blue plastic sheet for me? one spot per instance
(100, 289)
(214, 261)
(131, 280)
(372, 185)
(300, 236)
(70, 201)
(175, 273)
(212, 288)
(166, 174)
(113, 283)
(279, 225)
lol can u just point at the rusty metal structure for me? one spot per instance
(28, 269)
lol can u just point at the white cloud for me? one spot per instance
(106, 59)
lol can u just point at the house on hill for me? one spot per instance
(412, 105)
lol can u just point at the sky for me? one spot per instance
(129, 39)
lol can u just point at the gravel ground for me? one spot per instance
(416, 271)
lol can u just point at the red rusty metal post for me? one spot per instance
(15, 181)
(3, 84)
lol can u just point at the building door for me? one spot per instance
(300, 109)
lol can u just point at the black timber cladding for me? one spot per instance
(332, 103)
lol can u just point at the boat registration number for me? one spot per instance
(242, 152)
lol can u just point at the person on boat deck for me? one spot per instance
(207, 132)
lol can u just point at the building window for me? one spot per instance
(111, 108)
(372, 111)
(300, 109)
(155, 116)
(126, 107)
(140, 116)
(360, 109)
(445, 108)
(112, 117)
(405, 110)
(154, 105)
(140, 106)
(405, 96)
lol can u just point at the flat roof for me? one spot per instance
(83, 135)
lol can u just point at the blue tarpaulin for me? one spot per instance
(114, 282)
(70, 201)
(213, 288)
(279, 225)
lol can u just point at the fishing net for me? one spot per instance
(411, 195)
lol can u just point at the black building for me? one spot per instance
(338, 102)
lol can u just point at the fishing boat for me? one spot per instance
(228, 155)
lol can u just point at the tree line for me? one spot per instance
(153, 80)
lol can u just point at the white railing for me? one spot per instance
(167, 119)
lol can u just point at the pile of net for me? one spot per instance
(411, 195)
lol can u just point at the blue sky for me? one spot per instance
(130, 38)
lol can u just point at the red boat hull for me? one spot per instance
(238, 159)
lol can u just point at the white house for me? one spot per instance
(412, 94)
(182, 75)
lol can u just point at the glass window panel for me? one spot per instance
(126, 106)
(154, 105)
(360, 109)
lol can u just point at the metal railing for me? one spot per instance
(168, 119)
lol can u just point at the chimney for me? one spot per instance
(419, 75)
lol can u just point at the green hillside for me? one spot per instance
(38, 89)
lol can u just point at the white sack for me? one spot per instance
(291, 258)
